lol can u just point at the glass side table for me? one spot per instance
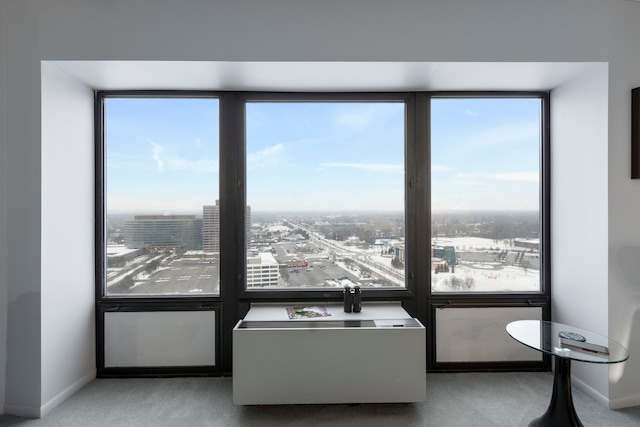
(545, 337)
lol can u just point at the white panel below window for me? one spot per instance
(153, 339)
(479, 334)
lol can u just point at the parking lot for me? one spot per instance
(314, 275)
(192, 276)
(180, 277)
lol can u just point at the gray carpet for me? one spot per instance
(469, 399)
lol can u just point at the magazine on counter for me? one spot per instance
(307, 312)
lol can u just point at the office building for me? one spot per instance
(159, 232)
(211, 227)
(262, 271)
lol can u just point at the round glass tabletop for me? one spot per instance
(567, 342)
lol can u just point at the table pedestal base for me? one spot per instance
(560, 411)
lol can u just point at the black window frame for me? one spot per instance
(541, 298)
(235, 299)
(152, 303)
(407, 295)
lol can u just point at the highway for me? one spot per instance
(360, 257)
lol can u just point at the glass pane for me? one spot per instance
(161, 186)
(159, 338)
(485, 195)
(325, 189)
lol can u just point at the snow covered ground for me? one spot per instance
(487, 276)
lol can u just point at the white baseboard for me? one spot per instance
(624, 402)
(590, 391)
(66, 393)
(39, 412)
(23, 411)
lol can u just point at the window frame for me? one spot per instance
(234, 298)
(541, 298)
(544, 196)
(157, 303)
(407, 295)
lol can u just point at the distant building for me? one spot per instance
(398, 252)
(211, 227)
(163, 232)
(442, 257)
(118, 255)
(262, 270)
(527, 243)
(448, 253)
(247, 225)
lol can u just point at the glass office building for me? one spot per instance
(164, 232)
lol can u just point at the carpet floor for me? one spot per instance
(453, 399)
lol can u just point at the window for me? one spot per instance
(213, 201)
(485, 194)
(161, 219)
(325, 187)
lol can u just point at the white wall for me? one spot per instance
(67, 248)
(624, 204)
(22, 245)
(331, 30)
(579, 211)
(3, 224)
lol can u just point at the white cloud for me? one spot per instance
(372, 167)
(269, 156)
(360, 117)
(354, 119)
(156, 151)
(172, 163)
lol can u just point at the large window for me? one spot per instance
(485, 194)
(325, 194)
(327, 200)
(160, 206)
(214, 201)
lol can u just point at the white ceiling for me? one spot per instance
(322, 76)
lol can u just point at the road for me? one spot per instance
(362, 258)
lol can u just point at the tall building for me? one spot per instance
(163, 231)
(247, 226)
(211, 227)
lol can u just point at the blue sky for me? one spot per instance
(325, 157)
(162, 155)
(485, 154)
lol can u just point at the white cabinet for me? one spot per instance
(377, 355)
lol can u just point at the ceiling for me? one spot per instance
(322, 76)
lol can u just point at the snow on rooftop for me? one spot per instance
(264, 258)
(278, 228)
(118, 250)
